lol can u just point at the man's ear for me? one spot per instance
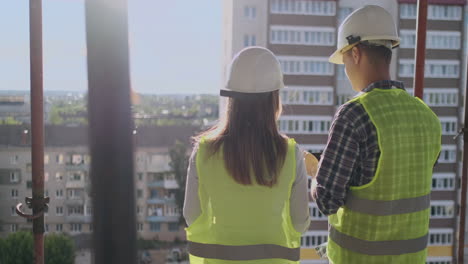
(356, 54)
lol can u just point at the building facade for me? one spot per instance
(302, 34)
(67, 181)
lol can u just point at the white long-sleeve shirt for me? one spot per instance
(299, 202)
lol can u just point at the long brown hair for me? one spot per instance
(249, 138)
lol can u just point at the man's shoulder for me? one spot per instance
(350, 111)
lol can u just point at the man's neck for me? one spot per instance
(372, 78)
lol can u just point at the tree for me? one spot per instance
(178, 165)
(17, 248)
(59, 249)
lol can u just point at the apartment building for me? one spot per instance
(67, 180)
(302, 34)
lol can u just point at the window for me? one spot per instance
(306, 66)
(59, 210)
(140, 176)
(46, 159)
(59, 158)
(434, 40)
(434, 12)
(250, 40)
(439, 260)
(139, 193)
(433, 68)
(301, 95)
(447, 97)
(442, 209)
(449, 125)
(297, 35)
(77, 159)
(14, 176)
(408, 11)
(46, 227)
(448, 154)
(75, 176)
(312, 239)
(305, 124)
(75, 227)
(155, 227)
(443, 40)
(138, 210)
(14, 193)
(89, 210)
(14, 227)
(75, 210)
(343, 13)
(303, 7)
(59, 193)
(14, 159)
(173, 227)
(440, 236)
(444, 12)
(443, 181)
(58, 227)
(46, 176)
(315, 213)
(29, 184)
(58, 176)
(13, 211)
(139, 227)
(154, 194)
(75, 193)
(250, 12)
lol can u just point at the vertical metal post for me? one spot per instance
(464, 183)
(37, 126)
(111, 127)
(418, 82)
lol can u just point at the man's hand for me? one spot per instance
(311, 163)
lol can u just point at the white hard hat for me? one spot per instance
(372, 24)
(253, 70)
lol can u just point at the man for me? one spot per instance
(374, 177)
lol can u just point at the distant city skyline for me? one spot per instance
(175, 46)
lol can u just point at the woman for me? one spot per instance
(246, 196)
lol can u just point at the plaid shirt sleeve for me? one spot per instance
(340, 158)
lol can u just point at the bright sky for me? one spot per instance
(176, 45)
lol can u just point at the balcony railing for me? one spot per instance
(75, 200)
(80, 167)
(163, 218)
(166, 184)
(161, 200)
(77, 218)
(75, 184)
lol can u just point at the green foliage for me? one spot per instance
(143, 244)
(59, 249)
(18, 248)
(179, 165)
(10, 121)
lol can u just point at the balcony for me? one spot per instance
(161, 200)
(74, 201)
(166, 184)
(75, 184)
(162, 218)
(76, 167)
(77, 218)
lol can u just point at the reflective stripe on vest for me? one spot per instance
(383, 208)
(249, 252)
(390, 247)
